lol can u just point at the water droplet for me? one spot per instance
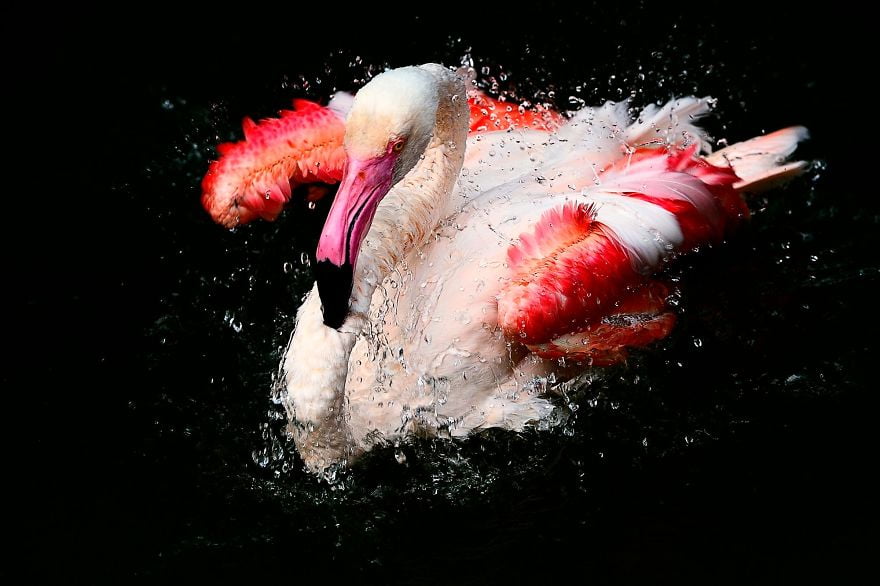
(233, 323)
(304, 259)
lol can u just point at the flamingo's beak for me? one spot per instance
(364, 183)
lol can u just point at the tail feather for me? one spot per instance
(760, 162)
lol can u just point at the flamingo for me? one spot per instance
(456, 272)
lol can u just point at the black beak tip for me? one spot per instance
(334, 288)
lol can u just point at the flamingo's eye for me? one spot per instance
(397, 145)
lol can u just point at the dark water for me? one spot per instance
(738, 451)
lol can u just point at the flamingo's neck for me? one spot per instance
(411, 210)
(316, 362)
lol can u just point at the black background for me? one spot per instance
(125, 465)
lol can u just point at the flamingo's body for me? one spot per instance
(493, 255)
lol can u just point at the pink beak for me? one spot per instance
(364, 183)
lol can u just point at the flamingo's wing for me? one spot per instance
(580, 278)
(638, 319)
(254, 178)
(491, 115)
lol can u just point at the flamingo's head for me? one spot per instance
(388, 128)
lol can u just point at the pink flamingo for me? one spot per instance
(455, 270)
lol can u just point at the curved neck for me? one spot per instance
(316, 362)
(411, 210)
